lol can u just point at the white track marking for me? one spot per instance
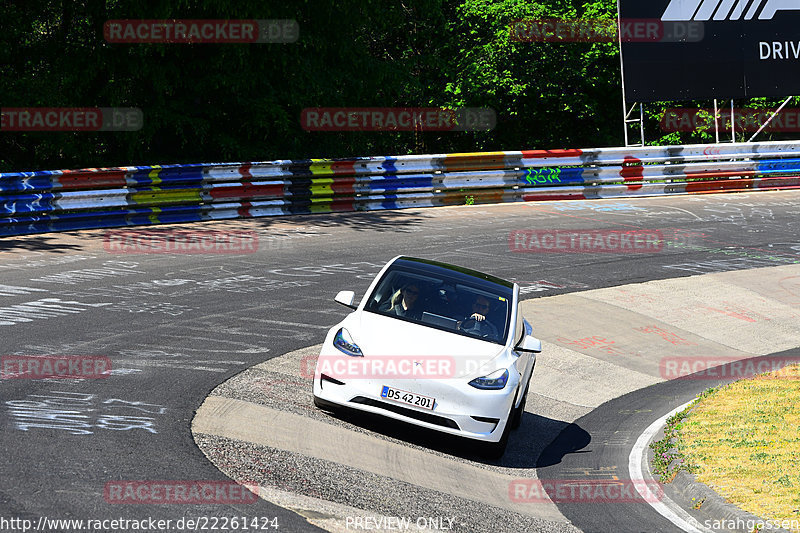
(666, 507)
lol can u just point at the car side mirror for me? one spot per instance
(529, 344)
(346, 299)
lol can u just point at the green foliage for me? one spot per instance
(546, 94)
(655, 131)
(229, 102)
(242, 102)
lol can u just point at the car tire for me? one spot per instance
(496, 450)
(324, 405)
(516, 417)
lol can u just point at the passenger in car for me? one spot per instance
(405, 302)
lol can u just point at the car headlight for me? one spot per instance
(344, 343)
(494, 381)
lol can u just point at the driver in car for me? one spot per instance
(480, 326)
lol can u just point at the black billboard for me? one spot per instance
(697, 49)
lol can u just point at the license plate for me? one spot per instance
(417, 400)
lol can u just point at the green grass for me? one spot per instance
(742, 440)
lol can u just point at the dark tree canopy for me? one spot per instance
(242, 102)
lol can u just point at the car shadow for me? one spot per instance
(569, 439)
(538, 442)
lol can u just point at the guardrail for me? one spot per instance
(60, 200)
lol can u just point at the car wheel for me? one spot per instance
(322, 404)
(495, 450)
(516, 417)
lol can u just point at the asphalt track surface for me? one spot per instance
(175, 326)
(623, 417)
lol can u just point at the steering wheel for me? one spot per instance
(475, 327)
(468, 324)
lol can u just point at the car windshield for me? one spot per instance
(448, 298)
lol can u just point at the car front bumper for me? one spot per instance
(460, 409)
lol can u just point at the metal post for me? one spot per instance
(775, 114)
(641, 122)
(625, 115)
(716, 121)
(733, 124)
(622, 75)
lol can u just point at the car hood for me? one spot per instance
(382, 336)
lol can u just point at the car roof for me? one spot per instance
(453, 271)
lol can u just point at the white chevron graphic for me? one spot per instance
(681, 10)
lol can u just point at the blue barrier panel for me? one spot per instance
(60, 200)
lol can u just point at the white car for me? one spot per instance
(434, 345)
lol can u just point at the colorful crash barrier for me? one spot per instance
(61, 200)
